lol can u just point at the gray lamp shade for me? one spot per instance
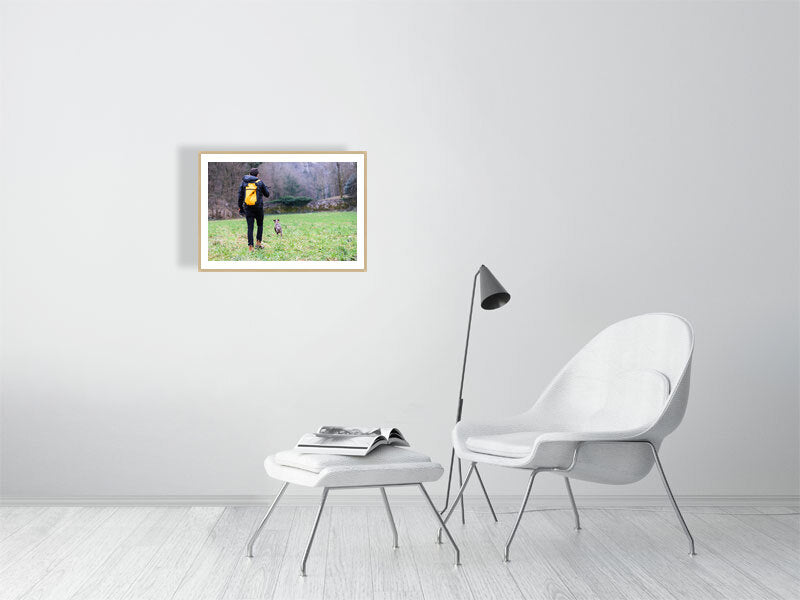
(493, 294)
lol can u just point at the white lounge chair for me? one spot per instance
(601, 419)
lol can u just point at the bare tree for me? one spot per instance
(313, 180)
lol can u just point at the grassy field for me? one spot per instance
(306, 236)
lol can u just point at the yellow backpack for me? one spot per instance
(250, 193)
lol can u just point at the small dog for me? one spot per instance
(278, 228)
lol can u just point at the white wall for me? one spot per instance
(604, 160)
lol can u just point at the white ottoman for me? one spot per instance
(383, 467)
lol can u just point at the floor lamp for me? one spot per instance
(493, 295)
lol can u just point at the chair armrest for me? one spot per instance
(558, 449)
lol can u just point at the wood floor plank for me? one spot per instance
(290, 585)
(115, 575)
(14, 518)
(348, 568)
(579, 557)
(710, 573)
(752, 552)
(560, 547)
(45, 556)
(439, 579)
(28, 536)
(255, 578)
(394, 573)
(67, 576)
(782, 527)
(209, 574)
(657, 549)
(786, 511)
(789, 517)
(783, 534)
(536, 574)
(616, 554)
(163, 574)
(610, 574)
(487, 575)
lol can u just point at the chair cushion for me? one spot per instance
(380, 456)
(509, 445)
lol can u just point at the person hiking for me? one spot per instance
(252, 192)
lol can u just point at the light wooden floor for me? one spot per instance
(162, 553)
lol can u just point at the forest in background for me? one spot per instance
(293, 186)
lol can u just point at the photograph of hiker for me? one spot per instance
(284, 211)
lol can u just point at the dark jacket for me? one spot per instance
(261, 192)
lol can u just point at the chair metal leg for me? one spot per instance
(313, 531)
(455, 502)
(461, 482)
(485, 495)
(672, 500)
(442, 523)
(574, 507)
(257, 532)
(449, 481)
(519, 516)
(391, 518)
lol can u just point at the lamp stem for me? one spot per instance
(466, 347)
(460, 399)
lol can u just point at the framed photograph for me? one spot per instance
(283, 211)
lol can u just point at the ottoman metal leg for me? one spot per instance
(442, 523)
(391, 518)
(257, 532)
(313, 531)
(455, 502)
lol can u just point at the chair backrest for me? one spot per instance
(632, 375)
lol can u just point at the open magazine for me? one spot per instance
(349, 441)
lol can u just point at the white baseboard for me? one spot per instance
(366, 499)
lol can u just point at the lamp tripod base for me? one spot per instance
(461, 483)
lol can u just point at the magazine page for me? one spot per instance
(392, 434)
(333, 430)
